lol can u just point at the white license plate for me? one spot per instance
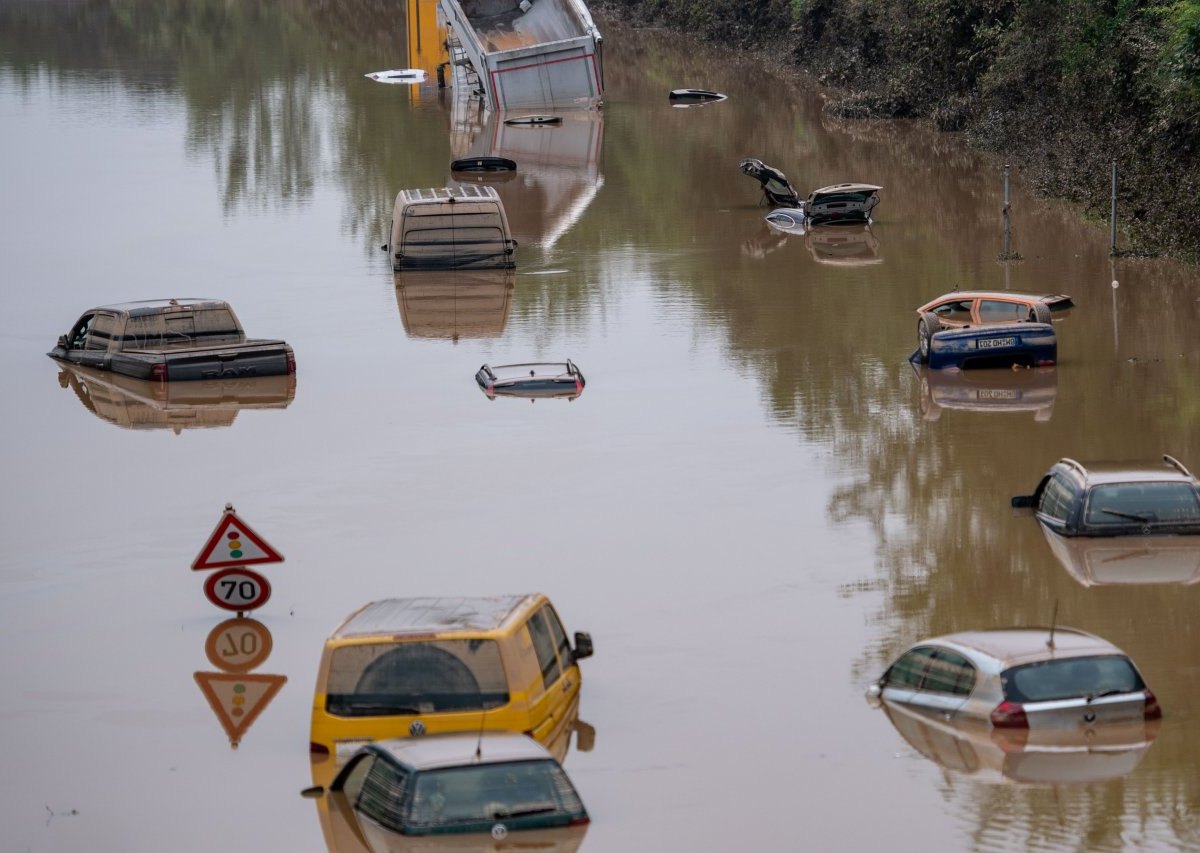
(991, 343)
(998, 394)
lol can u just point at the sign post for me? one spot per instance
(231, 547)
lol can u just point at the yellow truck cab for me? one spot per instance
(405, 667)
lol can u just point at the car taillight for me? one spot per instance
(291, 362)
(316, 749)
(159, 372)
(1009, 715)
(1152, 711)
(579, 821)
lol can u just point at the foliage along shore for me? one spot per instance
(1060, 88)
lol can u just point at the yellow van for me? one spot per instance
(405, 667)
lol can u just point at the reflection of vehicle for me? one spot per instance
(171, 339)
(528, 54)
(843, 245)
(1037, 757)
(454, 304)
(1005, 345)
(541, 379)
(1116, 498)
(988, 391)
(960, 309)
(145, 404)
(412, 666)
(1127, 559)
(463, 226)
(1050, 679)
(435, 793)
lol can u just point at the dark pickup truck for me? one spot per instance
(171, 339)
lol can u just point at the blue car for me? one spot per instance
(998, 345)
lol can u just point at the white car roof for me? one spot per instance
(431, 615)
(1011, 646)
(459, 749)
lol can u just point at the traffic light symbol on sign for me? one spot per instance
(238, 699)
(234, 543)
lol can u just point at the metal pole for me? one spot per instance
(1112, 238)
(1007, 228)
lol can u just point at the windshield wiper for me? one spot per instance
(1134, 516)
(524, 812)
(361, 707)
(1112, 691)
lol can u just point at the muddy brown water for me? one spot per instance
(753, 506)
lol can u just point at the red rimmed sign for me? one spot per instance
(234, 543)
(237, 589)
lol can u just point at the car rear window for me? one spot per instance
(418, 677)
(488, 792)
(1071, 678)
(1123, 503)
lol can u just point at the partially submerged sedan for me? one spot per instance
(1005, 345)
(409, 793)
(531, 380)
(975, 308)
(1046, 680)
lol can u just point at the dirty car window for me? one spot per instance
(1151, 502)
(1068, 678)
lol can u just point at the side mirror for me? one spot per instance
(875, 695)
(313, 793)
(1022, 506)
(585, 736)
(62, 341)
(583, 646)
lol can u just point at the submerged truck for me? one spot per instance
(527, 54)
(171, 339)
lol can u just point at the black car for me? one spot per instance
(1116, 499)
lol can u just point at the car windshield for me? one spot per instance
(491, 792)
(1145, 503)
(381, 679)
(1071, 678)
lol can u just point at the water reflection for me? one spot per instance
(558, 167)
(1032, 390)
(237, 696)
(142, 404)
(344, 832)
(1094, 561)
(454, 304)
(1026, 757)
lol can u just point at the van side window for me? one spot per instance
(560, 636)
(543, 645)
(382, 794)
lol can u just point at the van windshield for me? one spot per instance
(416, 677)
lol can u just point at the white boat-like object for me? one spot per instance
(398, 75)
(522, 54)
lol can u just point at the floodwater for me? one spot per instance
(753, 506)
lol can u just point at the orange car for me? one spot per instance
(962, 308)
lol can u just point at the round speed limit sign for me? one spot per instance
(237, 589)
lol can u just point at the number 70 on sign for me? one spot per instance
(237, 589)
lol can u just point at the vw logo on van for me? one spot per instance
(417, 728)
(499, 831)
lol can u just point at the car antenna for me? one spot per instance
(479, 740)
(1053, 619)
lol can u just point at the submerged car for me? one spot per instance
(776, 188)
(532, 380)
(1041, 679)
(500, 784)
(962, 308)
(414, 666)
(1116, 499)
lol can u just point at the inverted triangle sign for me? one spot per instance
(237, 700)
(233, 543)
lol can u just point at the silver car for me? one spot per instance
(1041, 679)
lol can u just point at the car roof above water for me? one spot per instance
(1011, 646)
(155, 306)
(432, 615)
(463, 748)
(1166, 469)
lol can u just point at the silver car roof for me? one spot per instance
(1165, 469)
(431, 615)
(153, 306)
(459, 749)
(1006, 647)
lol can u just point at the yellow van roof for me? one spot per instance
(431, 615)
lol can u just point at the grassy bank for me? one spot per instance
(1060, 87)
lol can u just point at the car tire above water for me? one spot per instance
(927, 326)
(1039, 312)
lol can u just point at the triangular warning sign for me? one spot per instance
(233, 543)
(237, 700)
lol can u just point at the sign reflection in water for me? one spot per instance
(237, 696)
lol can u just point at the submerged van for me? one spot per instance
(405, 667)
(451, 227)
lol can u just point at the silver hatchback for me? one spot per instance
(1040, 679)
